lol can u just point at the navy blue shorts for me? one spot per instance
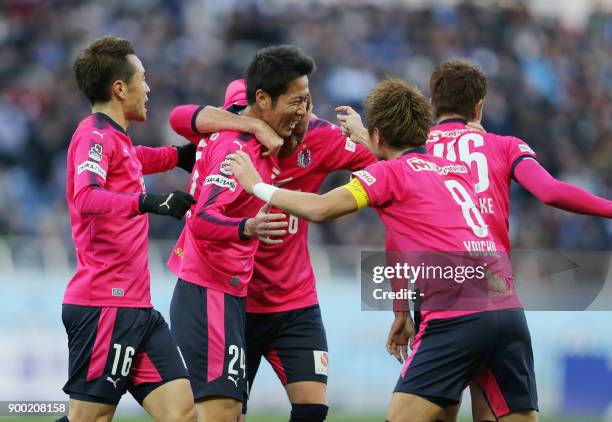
(209, 327)
(293, 342)
(491, 348)
(113, 350)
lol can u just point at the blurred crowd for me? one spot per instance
(548, 84)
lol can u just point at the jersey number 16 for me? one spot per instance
(467, 156)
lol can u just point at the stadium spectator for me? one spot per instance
(550, 83)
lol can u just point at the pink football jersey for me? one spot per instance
(210, 251)
(109, 233)
(492, 159)
(428, 207)
(276, 286)
(283, 278)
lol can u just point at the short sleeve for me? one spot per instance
(341, 153)
(517, 150)
(375, 180)
(183, 121)
(355, 187)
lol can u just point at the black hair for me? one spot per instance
(273, 68)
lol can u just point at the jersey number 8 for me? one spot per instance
(470, 213)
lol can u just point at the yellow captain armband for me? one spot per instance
(359, 193)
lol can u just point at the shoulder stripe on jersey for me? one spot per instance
(194, 117)
(212, 198)
(518, 160)
(316, 122)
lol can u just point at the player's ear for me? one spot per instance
(263, 99)
(478, 110)
(378, 141)
(119, 89)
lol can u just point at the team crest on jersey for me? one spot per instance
(95, 152)
(304, 158)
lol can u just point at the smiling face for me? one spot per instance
(289, 108)
(299, 132)
(136, 93)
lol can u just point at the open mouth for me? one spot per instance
(293, 123)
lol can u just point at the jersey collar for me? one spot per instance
(110, 121)
(417, 150)
(453, 120)
(236, 108)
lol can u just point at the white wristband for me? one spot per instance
(264, 191)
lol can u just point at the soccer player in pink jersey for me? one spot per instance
(117, 342)
(458, 90)
(283, 322)
(427, 203)
(214, 257)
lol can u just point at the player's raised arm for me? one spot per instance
(313, 207)
(350, 122)
(211, 119)
(182, 121)
(533, 177)
(192, 122)
(341, 153)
